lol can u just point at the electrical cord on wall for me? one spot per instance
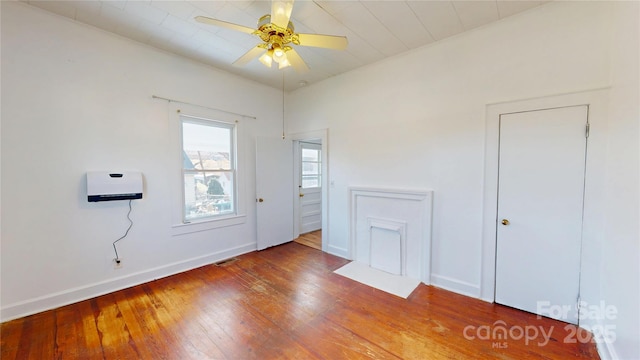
(125, 234)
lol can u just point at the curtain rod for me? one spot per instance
(206, 107)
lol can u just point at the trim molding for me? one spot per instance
(455, 285)
(338, 251)
(602, 336)
(606, 350)
(597, 100)
(77, 294)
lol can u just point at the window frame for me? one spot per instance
(174, 177)
(233, 165)
(318, 174)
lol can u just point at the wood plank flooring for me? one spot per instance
(312, 239)
(284, 303)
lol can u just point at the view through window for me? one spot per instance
(209, 168)
(311, 166)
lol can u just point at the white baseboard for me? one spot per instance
(455, 285)
(338, 251)
(606, 350)
(73, 295)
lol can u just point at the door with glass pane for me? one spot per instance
(310, 188)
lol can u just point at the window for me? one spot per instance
(311, 165)
(209, 168)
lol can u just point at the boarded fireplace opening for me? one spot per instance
(387, 250)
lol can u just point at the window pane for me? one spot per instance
(206, 147)
(310, 168)
(208, 194)
(310, 181)
(310, 155)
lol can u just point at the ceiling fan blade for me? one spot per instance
(249, 55)
(224, 24)
(296, 61)
(323, 41)
(281, 12)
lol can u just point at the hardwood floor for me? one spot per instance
(280, 303)
(312, 239)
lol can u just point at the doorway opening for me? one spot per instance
(279, 186)
(310, 189)
(308, 172)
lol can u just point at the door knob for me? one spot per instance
(505, 222)
(260, 200)
(301, 195)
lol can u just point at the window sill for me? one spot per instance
(209, 224)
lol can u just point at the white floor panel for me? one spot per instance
(401, 286)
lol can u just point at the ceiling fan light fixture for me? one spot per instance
(283, 64)
(266, 58)
(279, 54)
(277, 32)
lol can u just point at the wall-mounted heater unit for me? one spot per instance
(106, 186)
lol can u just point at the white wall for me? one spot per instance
(620, 263)
(417, 121)
(77, 99)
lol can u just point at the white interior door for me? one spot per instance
(274, 200)
(540, 203)
(310, 188)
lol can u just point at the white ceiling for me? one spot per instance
(375, 29)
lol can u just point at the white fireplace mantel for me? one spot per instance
(397, 222)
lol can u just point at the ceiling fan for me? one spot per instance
(277, 33)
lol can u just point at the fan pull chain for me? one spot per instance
(283, 105)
